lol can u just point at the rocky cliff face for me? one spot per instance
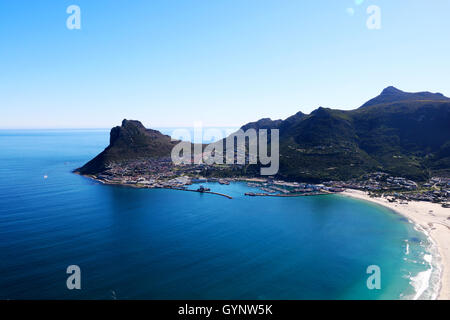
(130, 141)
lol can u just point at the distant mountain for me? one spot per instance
(130, 141)
(392, 94)
(404, 134)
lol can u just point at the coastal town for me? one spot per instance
(162, 173)
(399, 189)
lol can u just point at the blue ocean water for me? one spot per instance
(165, 244)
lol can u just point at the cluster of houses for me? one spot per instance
(378, 181)
(149, 173)
(437, 189)
(271, 187)
(161, 173)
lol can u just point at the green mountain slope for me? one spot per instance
(409, 138)
(404, 134)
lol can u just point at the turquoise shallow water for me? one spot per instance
(163, 244)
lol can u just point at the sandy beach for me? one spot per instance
(431, 217)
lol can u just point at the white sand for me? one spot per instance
(433, 218)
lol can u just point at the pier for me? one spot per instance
(288, 195)
(209, 192)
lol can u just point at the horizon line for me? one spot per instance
(105, 128)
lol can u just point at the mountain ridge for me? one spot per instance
(391, 94)
(409, 138)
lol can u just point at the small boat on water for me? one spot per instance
(203, 189)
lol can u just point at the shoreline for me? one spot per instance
(432, 219)
(141, 186)
(137, 186)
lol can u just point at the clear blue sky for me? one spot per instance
(222, 62)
